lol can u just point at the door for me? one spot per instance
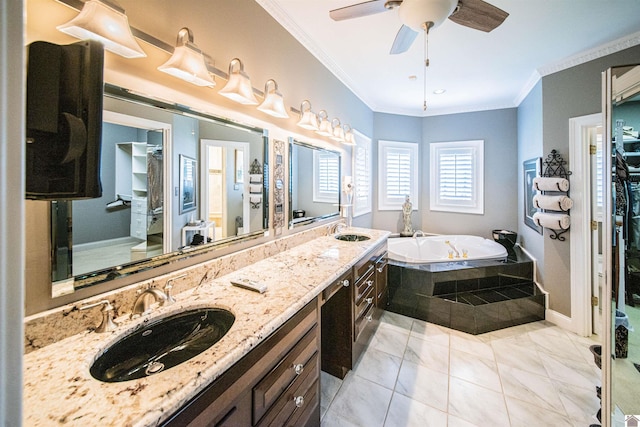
(593, 136)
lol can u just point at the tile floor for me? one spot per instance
(415, 373)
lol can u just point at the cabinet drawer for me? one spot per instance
(138, 226)
(269, 389)
(367, 299)
(139, 206)
(344, 281)
(363, 285)
(363, 321)
(302, 396)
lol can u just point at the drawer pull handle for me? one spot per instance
(380, 269)
(369, 300)
(299, 401)
(370, 282)
(298, 368)
(345, 283)
(369, 318)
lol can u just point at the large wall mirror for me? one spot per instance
(622, 364)
(314, 183)
(175, 183)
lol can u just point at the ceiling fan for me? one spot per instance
(423, 15)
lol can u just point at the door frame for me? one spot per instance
(580, 242)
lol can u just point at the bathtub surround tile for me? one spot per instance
(528, 395)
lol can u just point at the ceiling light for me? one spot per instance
(187, 62)
(415, 13)
(239, 87)
(338, 132)
(273, 103)
(439, 91)
(325, 128)
(308, 120)
(106, 22)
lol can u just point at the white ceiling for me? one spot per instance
(478, 70)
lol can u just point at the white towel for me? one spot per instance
(255, 188)
(543, 183)
(554, 203)
(255, 178)
(553, 221)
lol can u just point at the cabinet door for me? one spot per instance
(382, 290)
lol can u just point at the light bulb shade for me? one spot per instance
(414, 13)
(349, 138)
(324, 128)
(308, 120)
(239, 87)
(273, 103)
(338, 132)
(187, 62)
(106, 23)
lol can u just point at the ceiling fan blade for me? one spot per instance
(404, 40)
(479, 15)
(358, 10)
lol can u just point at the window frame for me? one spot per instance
(362, 205)
(329, 196)
(476, 150)
(386, 203)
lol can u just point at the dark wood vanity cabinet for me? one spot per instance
(276, 384)
(350, 312)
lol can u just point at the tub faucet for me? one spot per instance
(420, 232)
(452, 247)
(143, 303)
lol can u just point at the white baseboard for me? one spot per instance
(560, 320)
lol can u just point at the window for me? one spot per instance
(457, 170)
(361, 175)
(397, 174)
(326, 170)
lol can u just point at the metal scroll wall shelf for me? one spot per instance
(553, 201)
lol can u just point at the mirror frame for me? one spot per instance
(292, 142)
(100, 276)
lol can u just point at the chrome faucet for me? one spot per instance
(146, 298)
(452, 247)
(337, 227)
(420, 232)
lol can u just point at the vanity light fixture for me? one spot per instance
(308, 120)
(106, 22)
(273, 103)
(338, 132)
(187, 62)
(238, 87)
(349, 137)
(325, 128)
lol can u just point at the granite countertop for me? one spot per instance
(58, 388)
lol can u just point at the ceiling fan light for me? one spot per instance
(273, 103)
(324, 128)
(239, 88)
(308, 120)
(414, 13)
(187, 62)
(107, 23)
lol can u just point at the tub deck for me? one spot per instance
(470, 296)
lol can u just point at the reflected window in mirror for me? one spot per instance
(314, 183)
(138, 223)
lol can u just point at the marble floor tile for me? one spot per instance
(454, 421)
(423, 384)
(430, 332)
(389, 340)
(471, 344)
(475, 369)
(508, 352)
(528, 387)
(360, 402)
(580, 403)
(577, 373)
(406, 412)
(523, 414)
(378, 366)
(427, 354)
(556, 344)
(477, 404)
(399, 321)
(329, 386)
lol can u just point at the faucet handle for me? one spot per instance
(107, 310)
(167, 290)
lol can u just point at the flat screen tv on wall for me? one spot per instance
(64, 120)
